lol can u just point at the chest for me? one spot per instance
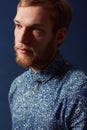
(36, 105)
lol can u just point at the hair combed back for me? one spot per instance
(60, 10)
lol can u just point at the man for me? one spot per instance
(52, 94)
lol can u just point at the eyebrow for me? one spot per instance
(33, 25)
(15, 21)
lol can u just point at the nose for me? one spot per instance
(24, 36)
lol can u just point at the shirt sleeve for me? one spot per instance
(76, 113)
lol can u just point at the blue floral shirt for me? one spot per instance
(54, 98)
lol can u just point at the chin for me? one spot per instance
(23, 62)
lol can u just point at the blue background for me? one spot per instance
(74, 49)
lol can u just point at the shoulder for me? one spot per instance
(16, 82)
(19, 79)
(75, 77)
(77, 74)
(74, 84)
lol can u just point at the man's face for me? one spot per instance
(35, 44)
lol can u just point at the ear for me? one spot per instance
(61, 35)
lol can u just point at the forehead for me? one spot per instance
(32, 14)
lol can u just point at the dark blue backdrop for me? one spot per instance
(74, 49)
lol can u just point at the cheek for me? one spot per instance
(41, 47)
(16, 35)
(42, 41)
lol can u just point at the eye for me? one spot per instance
(37, 31)
(18, 26)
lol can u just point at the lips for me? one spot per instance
(23, 50)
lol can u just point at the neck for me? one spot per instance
(41, 66)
